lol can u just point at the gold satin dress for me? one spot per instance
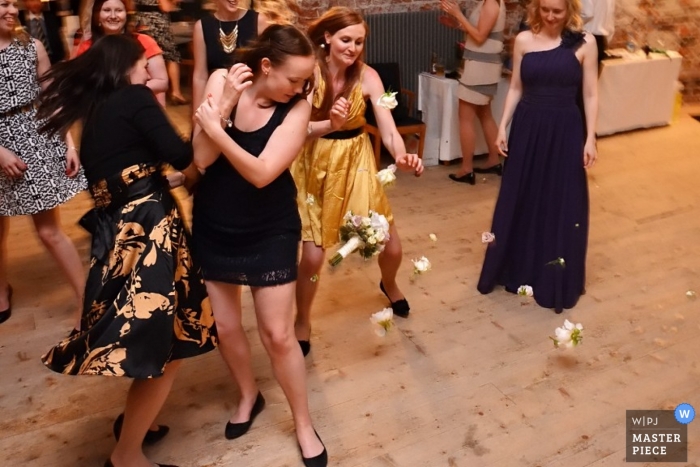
(334, 176)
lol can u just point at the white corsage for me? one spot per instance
(382, 321)
(387, 176)
(570, 335)
(388, 100)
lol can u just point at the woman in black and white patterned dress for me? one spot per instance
(37, 173)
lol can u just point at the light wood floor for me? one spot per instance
(467, 380)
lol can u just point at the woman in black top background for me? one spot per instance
(144, 307)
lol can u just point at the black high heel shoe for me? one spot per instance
(468, 178)
(399, 307)
(5, 314)
(305, 347)
(236, 430)
(152, 436)
(494, 169)
(317, 461)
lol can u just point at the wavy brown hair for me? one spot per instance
(277, 43)
(332, 21)
(573, 16)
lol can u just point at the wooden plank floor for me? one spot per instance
(467, 380)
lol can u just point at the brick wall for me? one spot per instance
(671, 24)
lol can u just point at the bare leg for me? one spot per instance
(389, 262)
(48, 227)
(310, 265)
(490, 133)
(174, 78)
(145, 399)
(233, 344)
(467, 136)
(275, 313)
(4, 281)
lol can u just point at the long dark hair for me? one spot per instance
(95, 28)
(77, 87)
(332, 21)
(277, 43)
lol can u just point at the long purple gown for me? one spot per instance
(541, 216)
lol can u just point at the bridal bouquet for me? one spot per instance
(367, 235)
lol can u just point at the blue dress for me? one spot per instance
(541, 218)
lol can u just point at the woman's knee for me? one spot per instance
(278, 340)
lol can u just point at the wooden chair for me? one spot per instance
(405, 123)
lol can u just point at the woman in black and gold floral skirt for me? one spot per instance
(145, 302)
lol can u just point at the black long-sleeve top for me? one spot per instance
(130, 128)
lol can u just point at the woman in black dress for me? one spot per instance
(145, 301)
(246, 225)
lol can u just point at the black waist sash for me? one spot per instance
(345, 134)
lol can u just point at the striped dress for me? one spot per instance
(482, 63)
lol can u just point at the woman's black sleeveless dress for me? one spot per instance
(243, 234)
(216, 57)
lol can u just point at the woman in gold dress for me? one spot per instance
(336, 171)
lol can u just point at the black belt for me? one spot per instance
(346, 134)
(19, 110)
(148, 8)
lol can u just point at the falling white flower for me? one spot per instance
(314, 278)
(421, 265)
(388, 100)
(559, 261)
(525, 290)
(310, 200)
(487, 237)
(691, 294)
(433, 237)
(382, 321)
(387, 176)
(570, 335)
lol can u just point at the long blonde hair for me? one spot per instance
(573, 14)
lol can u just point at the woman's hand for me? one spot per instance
(449, 21)
(11, 164)
(238, 78)
(451, 8)
(339, 113)
(208, 116)
(72, 162)
(502, 142)
(590, 154)
(410, 162)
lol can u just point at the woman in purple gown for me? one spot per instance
(540, 223)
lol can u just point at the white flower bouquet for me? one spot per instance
(367, 235)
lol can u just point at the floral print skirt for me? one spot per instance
(145, 301)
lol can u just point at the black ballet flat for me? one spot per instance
(305, 347)
(494, 169)
(152, 436)
(236, 430)
(108, 463)
(468, 178)
(399, 307)
(317, 461)
(5, 314)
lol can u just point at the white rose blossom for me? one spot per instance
(388, 100)
(433, 237)
(691, 294)
(382, 321)
(568, 336)
(310, 200)
(387, 176)
(421, 265)
(525, 290)
(487, 237)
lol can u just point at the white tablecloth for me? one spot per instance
(437, 100)
(637, 93)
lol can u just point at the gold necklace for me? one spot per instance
(228, 41)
